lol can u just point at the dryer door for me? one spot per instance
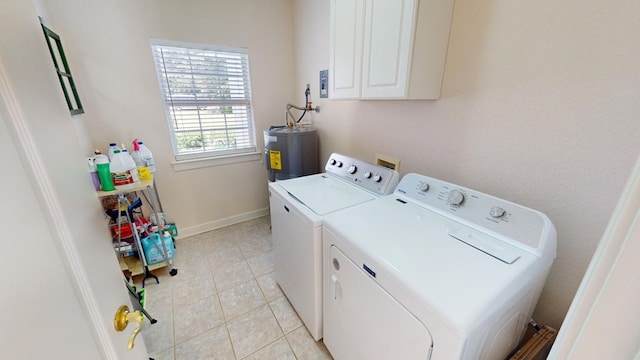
(363, 321)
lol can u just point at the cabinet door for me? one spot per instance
(347, 21)
(388, 43)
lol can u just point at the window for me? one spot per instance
(207, 99)
(62, 69)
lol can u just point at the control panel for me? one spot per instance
(377, 179)
(524, 225)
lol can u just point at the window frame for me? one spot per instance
(204, 157)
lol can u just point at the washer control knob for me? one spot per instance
(496, 212)
(424, 187)
(456, 197)
(367, 174)
(332, 162)
(339, 164)
(377, 178)
(352, 169)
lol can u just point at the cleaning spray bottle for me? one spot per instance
(147, 156)
(141, 164)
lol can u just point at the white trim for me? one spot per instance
(59, 228)
(182, 44)
(191, 164)
(614, 251)
(216, 224)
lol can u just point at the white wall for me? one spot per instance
(108, 48)
(539, 106)
(54, 235)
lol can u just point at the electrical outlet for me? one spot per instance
(324, 84)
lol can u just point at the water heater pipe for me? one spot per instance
(308, 107)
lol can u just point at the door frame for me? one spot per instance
(606, 301)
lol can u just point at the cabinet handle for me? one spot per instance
(286, 208)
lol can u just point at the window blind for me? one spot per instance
(207, 98)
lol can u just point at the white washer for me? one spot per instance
(298, 207)
(435, 271)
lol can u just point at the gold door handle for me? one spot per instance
(123, 318)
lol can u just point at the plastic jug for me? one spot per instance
(112, 148)
(123, 170)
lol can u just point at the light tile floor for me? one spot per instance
(224, 303)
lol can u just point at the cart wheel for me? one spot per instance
(173, 272)
(153, 321)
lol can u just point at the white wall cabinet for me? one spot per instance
(388, 49)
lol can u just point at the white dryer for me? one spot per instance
(434, 271)
(298, 207)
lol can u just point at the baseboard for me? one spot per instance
(216, 224)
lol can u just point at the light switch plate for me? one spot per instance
(324, 84)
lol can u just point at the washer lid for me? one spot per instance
(324, 194)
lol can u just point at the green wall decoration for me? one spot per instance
(63, 71)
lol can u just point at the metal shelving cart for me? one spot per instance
(126, 208)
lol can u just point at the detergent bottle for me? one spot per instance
(104, 173)
(112, 148)
(123, 170)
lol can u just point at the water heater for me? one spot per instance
(291, 152)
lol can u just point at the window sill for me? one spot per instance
(191, 164)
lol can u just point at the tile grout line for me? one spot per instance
(255, 233)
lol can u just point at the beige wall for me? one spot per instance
(108, 47)
(539, 106)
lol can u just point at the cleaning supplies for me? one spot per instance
(93, 173)
(141, 164)
(112, 148)
(104, 172)
(147, 155)
(154, 249)
(123, 170)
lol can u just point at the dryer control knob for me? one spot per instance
(496, 212)
(424, 187)
(352, 169)
(332, 162)
(367, 174)
(377, 178)
(456, 197)
(339, 164)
